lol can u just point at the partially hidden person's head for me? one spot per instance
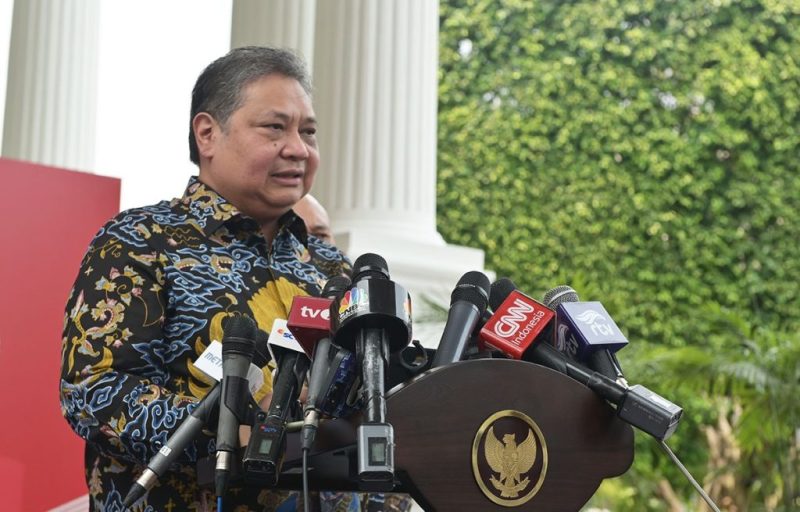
(253, 130)
(315, 218)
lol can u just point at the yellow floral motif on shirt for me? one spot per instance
(273, 301)
(269, 303)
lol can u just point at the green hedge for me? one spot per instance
(645, 152)
(648, 150)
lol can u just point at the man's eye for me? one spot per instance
(274, 126)
(310, 131)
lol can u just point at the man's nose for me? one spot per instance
(295, 147)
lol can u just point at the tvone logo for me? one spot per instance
(509, 324)
(596, 322)
(307, 312)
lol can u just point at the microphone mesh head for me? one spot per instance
(473, 287)
(238, 335)
(370, 265)
(559, 294)
(238, 326)
(500, 291)
(335, 287)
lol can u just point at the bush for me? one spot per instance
(648, 148)
(644, 152)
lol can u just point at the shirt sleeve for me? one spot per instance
(115, 357)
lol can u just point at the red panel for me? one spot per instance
(48, 217)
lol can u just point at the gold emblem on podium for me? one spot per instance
(509, 458)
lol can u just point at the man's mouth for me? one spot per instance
(289, 176)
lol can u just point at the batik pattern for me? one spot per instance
(152, 291)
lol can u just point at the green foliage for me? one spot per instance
(646, 153)
(650, 146)
(755, 369)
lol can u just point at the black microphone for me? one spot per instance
(586, 332)
(334, 288)
(372, 319)
(467, 304)
(263, 457)
(189, 429)
(183, 435)
(238, 346)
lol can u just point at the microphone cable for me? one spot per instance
(305, 480)
(689, 477)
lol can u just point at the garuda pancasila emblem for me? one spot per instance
(511, 460)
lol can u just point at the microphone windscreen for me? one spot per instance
(370, 265)
(238, 334)
(500, 291)
(238, 326)
(336, 286)
(559, 294)
(473, 287)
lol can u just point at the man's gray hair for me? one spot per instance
(218, 89)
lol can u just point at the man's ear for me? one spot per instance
(206, 131)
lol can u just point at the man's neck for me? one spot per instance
(269, 230)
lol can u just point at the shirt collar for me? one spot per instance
(212, 211)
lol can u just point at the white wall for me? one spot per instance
(151, 53)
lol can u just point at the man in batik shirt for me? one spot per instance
(157, 282)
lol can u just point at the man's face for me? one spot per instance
(264, 159)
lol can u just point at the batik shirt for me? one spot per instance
(150, 296)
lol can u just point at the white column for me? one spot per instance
(375, 77)
(282, 23)
(6, 14)
(52, 83)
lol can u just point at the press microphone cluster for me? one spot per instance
(523, 328)
(305, 338)
(306, 334)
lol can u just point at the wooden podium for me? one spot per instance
(530, 437)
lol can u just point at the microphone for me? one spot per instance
(238, 346)
(310, 317)
(334, 288)
(518, 322)
(188, 430)
(467, 304)
(263, 456)
(184, 434)
(522, 329)
(586, 332)
(372, 319)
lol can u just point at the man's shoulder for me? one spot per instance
(135, 226)
(319, 245)
(328, 258)
(150, 212)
